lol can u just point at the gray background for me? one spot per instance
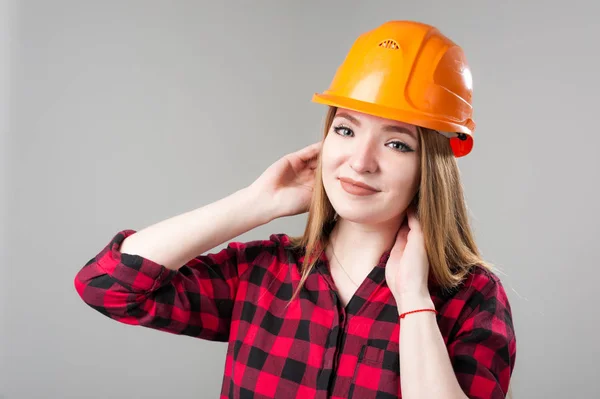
(118, 114)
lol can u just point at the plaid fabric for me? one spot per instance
(315, 348)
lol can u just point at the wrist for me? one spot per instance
(408, 302)
(259, 204)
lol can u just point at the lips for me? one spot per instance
(358, 184)
(357, 189)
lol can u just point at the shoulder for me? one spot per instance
(273, 240)
(481, 290)
(484, 284)
(482, 280)
(276, 247)
(256, 247)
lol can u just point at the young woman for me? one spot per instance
(385, 295)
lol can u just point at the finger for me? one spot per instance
(309, 152)
(413, 220)
(313, 163)
(401, 239)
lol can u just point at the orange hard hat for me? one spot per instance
(410, 72)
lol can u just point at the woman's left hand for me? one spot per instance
(407, 268)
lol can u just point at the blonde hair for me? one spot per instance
(441, 208)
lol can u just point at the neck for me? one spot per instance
(359, 246)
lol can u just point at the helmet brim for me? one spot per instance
(460, 146)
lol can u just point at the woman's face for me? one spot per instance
(379, 152)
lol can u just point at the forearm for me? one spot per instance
(175, 241)
(425, 367)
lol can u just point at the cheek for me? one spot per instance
(329, 161)
(405, 180)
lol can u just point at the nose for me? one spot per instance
(363, 158)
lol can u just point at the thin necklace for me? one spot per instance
(340, 263)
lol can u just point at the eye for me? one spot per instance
(402, 147)
(345, 131)
(341, 129)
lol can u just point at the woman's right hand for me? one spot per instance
(288, 184)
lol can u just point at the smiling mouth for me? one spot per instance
(356, 190)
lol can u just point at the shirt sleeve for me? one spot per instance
(483, 351)
(196, 300)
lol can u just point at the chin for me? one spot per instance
(362, 215)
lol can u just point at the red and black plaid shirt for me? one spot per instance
(315, 348)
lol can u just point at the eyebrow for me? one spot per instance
(386, 128)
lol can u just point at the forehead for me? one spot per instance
(361, 118)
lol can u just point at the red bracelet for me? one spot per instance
(418, 310)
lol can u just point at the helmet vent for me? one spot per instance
(391, 44)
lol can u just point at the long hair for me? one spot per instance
(441, 208)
